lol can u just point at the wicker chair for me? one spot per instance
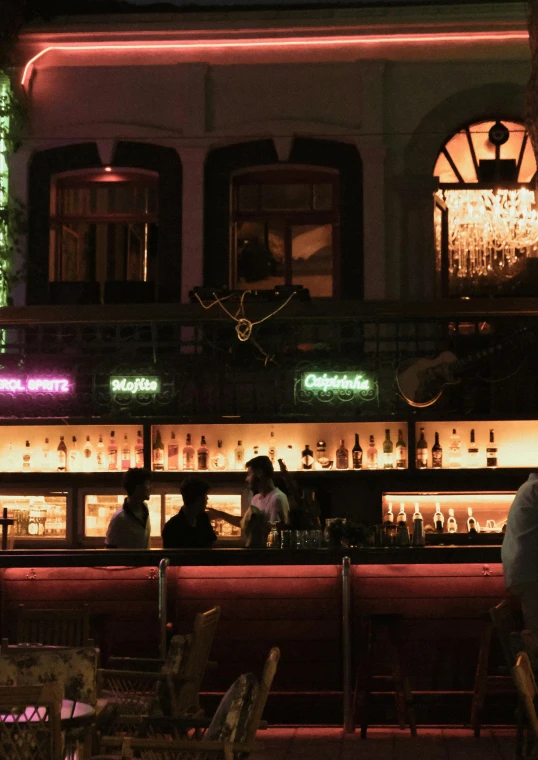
(230, 736)
(174, 691)
(526, 688)
(30, 726)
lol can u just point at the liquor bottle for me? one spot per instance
(342, 456)
(87, 456)
(472, 525)
(322, 460)
(173, 452)
(219, 460)
(454, 450)
(388, 452)
(307, 458)
(46, 462)
(126, 454)
(437, 454)
(255, 451)
(422, 452)
(438, 518)
(451, 524)
(472, 452)
(371, 455)
(26, 457)
(139, 450)
(418, 528)
(203, 455)
(158, 453)
(388, 517)
(62, 455)
(491, 451)
(402, 517)
(100, 455)
(74, 456)
(271, 449)
(10, 459)
(292, 458)
(401, 452)
(416, 514)
(356, 454)
(112, 453)
(239, 456)
(188, 454)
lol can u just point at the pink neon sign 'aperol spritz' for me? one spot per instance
(34, 384)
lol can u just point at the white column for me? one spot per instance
(192, 267)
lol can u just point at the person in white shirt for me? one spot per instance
(268, 499)
(520, 550)
(129, 527)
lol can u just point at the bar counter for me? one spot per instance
(307, 602)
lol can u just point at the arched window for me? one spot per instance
(486, 224)
(285, 229)
(103, 230)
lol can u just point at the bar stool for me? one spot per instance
(373, 625)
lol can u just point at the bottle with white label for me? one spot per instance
(451, 524)
(371, 455)
(454, 450)
(239, 456)
(203, 455)
(307, 458)
(342, 456)
(437, 454)
(74, 456)
(173, 452)
(26, 457)
(139, 450)
(87, 456)
(472, 525)
(402, 517)
(473, 459)
(188, 454)
(401, 452)
(112, 453)
(46, 461)
(219, 460)
(491, 451)
(421, 459)
(388, 517)
(388, 452)
(125, 454)
(438, 518)
(100, 456)
(158, 453)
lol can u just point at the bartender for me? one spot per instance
(268, 500)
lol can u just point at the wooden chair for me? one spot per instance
(175, 690)
(68, 628)
(504, 619)
(526, 688)
(30, 727)
(231, 734)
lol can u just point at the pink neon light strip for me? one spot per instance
(393, 39)
(34, 385)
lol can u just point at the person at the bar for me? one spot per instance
(269, 504)
(130, 527)
(190, 528)
(520, 550)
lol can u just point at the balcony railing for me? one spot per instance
(207, 372)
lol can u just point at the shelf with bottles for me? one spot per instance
(70, 448)
(475, 445)
(455, 512)
(302, 446)
(97, 510)
(38, 515)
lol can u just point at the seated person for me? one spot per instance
(190, 528)
(129, 527)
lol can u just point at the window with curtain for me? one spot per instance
(285, 230)
(485, 217)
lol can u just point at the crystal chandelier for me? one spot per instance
(490, 231)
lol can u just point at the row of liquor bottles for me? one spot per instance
(169, 457)
(472, 524)
(68, 456)
(458, 456)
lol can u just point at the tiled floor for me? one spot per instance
(384, 744)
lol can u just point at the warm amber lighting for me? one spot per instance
(108, 168)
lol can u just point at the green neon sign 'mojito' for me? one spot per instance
(135, 384)
(354, 382)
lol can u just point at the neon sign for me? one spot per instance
(34, 384)
(350, 382)
(134, 385)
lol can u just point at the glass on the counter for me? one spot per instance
(37, 516)
(99, 509)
